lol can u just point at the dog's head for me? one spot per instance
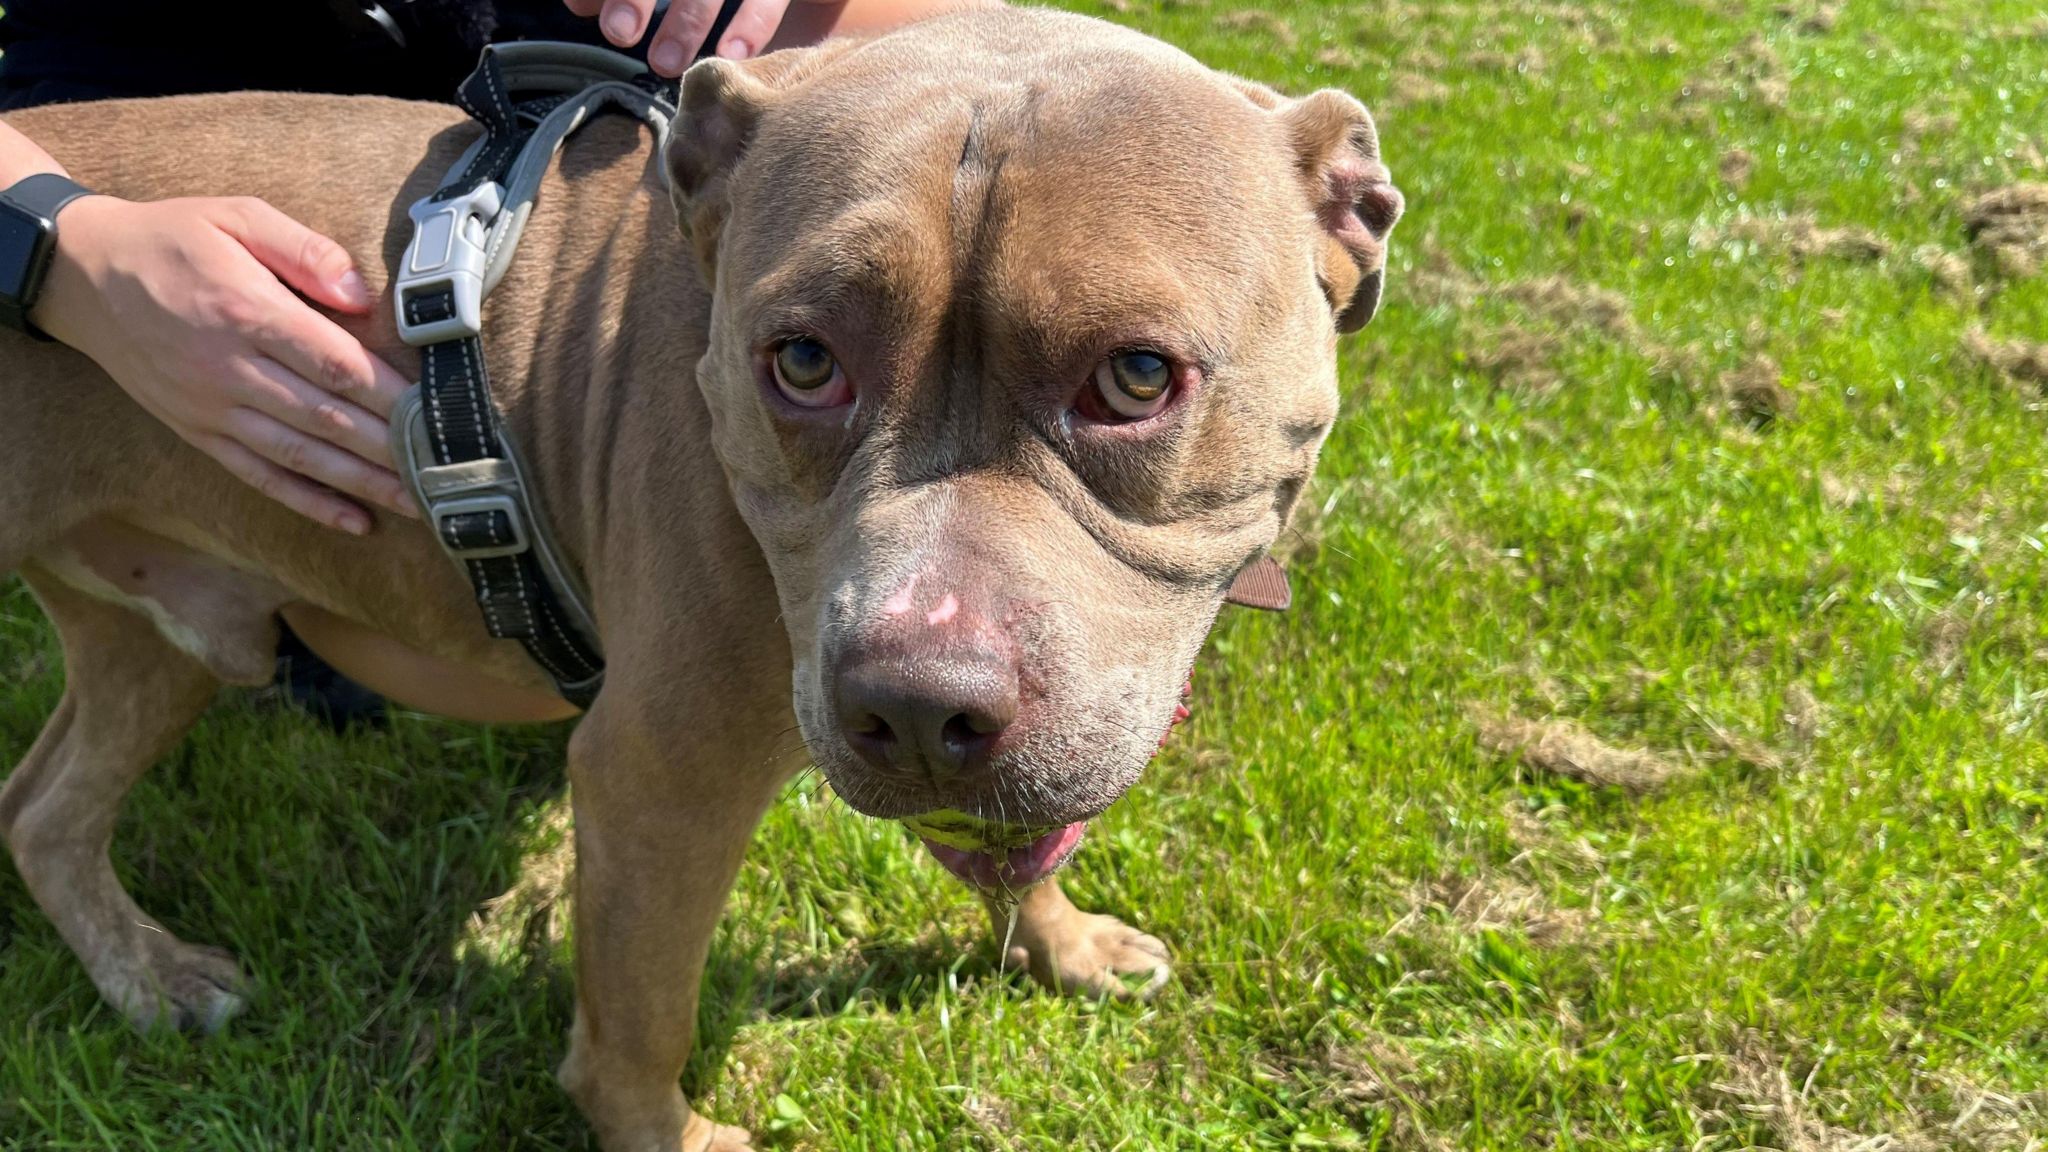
(1022, 347)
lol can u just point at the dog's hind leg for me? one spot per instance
(129, 695)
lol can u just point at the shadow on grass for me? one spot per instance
(348, 874)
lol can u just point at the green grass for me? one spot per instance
(1827, 926)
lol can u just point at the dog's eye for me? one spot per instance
(804, 365)
(1134, 384)
(807, 373)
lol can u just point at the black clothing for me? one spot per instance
(58, 50)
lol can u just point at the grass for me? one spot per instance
(1668, 453)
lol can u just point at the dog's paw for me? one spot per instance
(189, 987)
(1099, 957)
(705, 1135)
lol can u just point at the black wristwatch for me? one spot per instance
(28, 238)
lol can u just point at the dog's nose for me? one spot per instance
(950, 710)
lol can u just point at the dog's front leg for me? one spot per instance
(660, 831)
(1073, 952)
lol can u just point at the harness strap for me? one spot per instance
(450, 443)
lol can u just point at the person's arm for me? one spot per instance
(758, 25)
(22, 157)
(809, 21)
(184, 303)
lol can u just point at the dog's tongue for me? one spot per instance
(1012, 868)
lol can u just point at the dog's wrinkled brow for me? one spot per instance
(849, 268)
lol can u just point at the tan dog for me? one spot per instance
(996, 347)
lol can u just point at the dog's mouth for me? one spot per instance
(995, 857)
(999, 857)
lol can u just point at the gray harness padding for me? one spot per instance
(465, 235)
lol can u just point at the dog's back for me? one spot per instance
(71, 445)
(75, 451)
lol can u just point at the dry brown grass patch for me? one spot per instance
(2016, 361)
(1810, 18)
(1347, 1076)
(531, 918)
(1944, 637)
(1525, 356)
(2035, 29)
(1802, 236)
(1949, 269)
(1737, 166)
(1567, 302)
(2011, 224)
(1544, 837)
(1519, 359)
(1918, 125)
(1356, 1078)
(992, 1115)
(1803, 713)
(1527, 60)
(1840, 493)
(1756, 1086)
(1260, 20)
(1565, 748)
(1415, 88)
(1753, 70)
(1440, 282)
(1501, 904)
(1756, 392)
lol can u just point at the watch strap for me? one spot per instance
(42, 195)
(45, 193)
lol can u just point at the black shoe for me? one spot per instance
(315, 686)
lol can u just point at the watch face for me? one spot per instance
(21, 238)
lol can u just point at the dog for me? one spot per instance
(931, 388)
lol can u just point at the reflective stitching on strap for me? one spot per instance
(482, 577)
(476, 393)
(555, 626)
(435, 416)
(538, 651)
(494, 80)
(551, 618)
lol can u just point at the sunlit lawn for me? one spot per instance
(1666, 442)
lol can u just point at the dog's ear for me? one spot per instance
(1337, 152)
(720, 107)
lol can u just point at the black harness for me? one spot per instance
(451, 444)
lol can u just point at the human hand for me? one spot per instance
(683, 29)
(184, 303)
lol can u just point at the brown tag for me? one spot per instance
(1261, 584)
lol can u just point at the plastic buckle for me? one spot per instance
(489, 485)
(446, 254)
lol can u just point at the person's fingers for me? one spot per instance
(622, 21)
(299, 256)
(294, 492)
(681, 34)
(583, 7)
(314, 459)
(324, 353)
(752, 26)
(282, 394)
